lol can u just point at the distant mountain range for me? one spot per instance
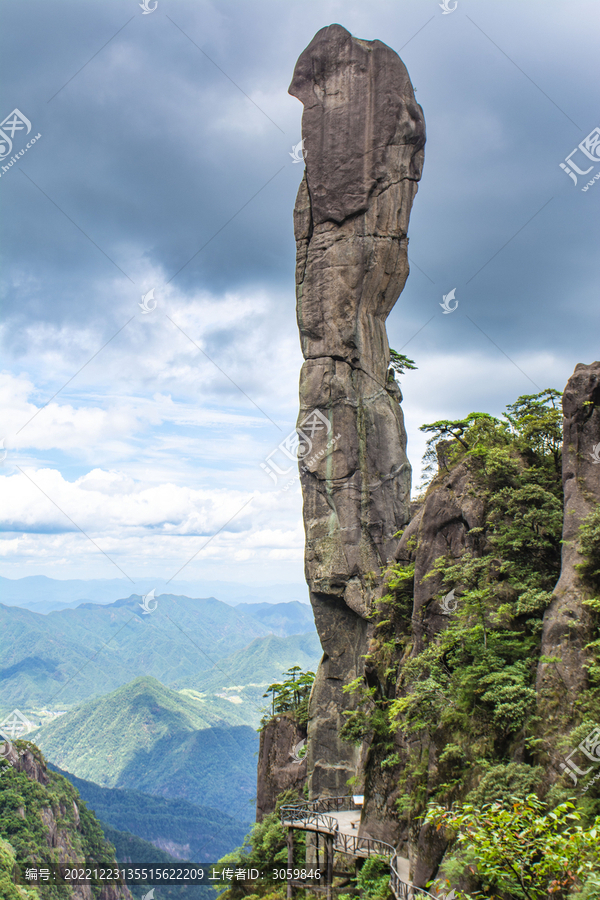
(67, 656)
(42, 594)
(129, 848)
(182, 829)
(281, 618)
(164, 702)
(243, 677)
(146, 737)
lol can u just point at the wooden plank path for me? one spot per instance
(338, 820)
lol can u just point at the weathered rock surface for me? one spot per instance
(440, 527)
(60, 817)
(567, 622)
(363, 139)
(278, 770)
(363, 136)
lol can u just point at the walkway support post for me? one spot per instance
(329, 864)
(290, 860)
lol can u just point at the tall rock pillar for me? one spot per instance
(363, 136)
(568, 625)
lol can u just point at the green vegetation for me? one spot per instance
(291, 695)
(8, 862)
(532, 427)
(589, 545)
(265, 849)
(372, 880)
(520, 849)
(29, 810)
(146, 737)
(458, 719)
(198, 832)
(400, 363)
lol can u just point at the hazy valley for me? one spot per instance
(152, 715)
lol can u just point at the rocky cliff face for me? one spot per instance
(51, 820)
(450, 522)
(279, 767)
(363, 139)
(567, 622)
(363, 136)
(442, 525)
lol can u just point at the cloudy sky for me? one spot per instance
(134, 439)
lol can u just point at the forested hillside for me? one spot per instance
(186, 830)
(178, 641)
(145, 737)
(45, 823)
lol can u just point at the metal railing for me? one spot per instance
(354, 845)
(401, 889)
(309, 817)
(337, 804)
(311, 821)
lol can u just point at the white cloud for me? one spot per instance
(167, 493)
(155, 529)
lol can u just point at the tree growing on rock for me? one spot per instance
(291, 695)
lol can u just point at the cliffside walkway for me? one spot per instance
(338, 820)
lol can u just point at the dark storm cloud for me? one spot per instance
(155, 170)
(152, 151)
(147, 150)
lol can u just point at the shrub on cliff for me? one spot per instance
(265, 849)
(8, 890)
(469, 695)
(291, 695)
(520, 849)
